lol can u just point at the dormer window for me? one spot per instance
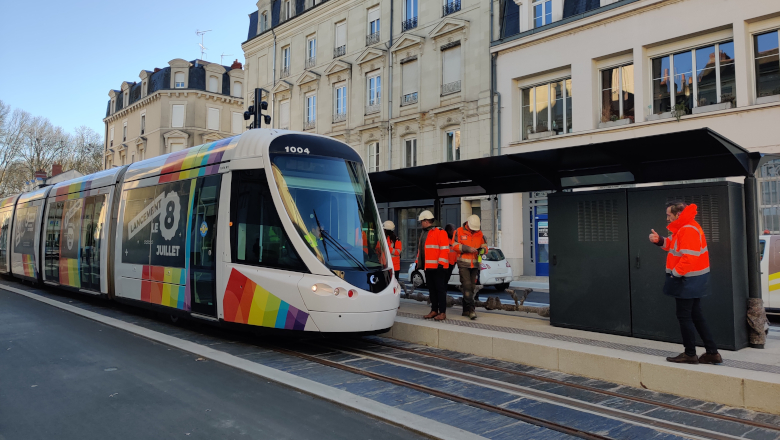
(213, 85)
(125, 101)
(238, 89)
(264, 22)
(143, 89)
(178, 80)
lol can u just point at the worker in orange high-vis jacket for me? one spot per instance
(688, 280)
(467, 242)
(394, 244)
(453, 256)
(432, 253)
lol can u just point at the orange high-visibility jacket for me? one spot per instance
(434, 250)
(395, 253)
(465, 236)
(688, 257)
(453, 255)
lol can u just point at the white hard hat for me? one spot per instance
(473, 222)
(425, 215)
(390, 226)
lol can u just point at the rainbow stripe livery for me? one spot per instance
(245, 302)
(8, 201)
(196, 162)
(28, 264)
(69, 272)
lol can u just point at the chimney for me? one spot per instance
(40, 174)
(156, 69)
(237, 65)
(56, 169)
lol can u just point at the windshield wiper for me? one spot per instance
(344, 250)
(322, 231)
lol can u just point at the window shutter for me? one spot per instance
(177, 116)
(213, 84)
(179, 77)
(373, 15)
(451, 65)
(341, 34)
(212, 122)
(284, 115)
(235, 122)
(409, 77)
(238, 90)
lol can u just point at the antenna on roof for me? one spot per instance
(222, 57)
(203, 48)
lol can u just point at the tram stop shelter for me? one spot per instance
(678, 156)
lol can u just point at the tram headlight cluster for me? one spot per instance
(323, 289)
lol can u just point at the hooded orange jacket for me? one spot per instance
(688, 260)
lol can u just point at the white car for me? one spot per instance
(495, 271)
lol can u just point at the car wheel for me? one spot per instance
(501, 287)
(417, 279)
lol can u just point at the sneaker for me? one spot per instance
(440, 317)
(683, 358)
(708, 358)
(431, 315)
(472, 315)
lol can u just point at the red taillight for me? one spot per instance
(352, 293)
(507, 264)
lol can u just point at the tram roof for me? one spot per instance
(38, 194)
(8, 201)
(90, 181)
(683, 155)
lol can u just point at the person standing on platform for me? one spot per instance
(395, 246)
(469, 244)
(453, 256)
(432, 252)
(688, 280)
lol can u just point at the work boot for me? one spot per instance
(440, 317)
(473, 315)
(431, 315)
(711, 358)
(465, 311)
(683, 358)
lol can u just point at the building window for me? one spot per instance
(617, 93)
(311, 112)
(143, 89)
(547, 108)
(177, 115)
(111, 143)
(124, 132)
(213, 84)
(713, 68)
(409, 81)
(410, 149)
(236, 122)
(125, 101)
(212, 119)
(452, 138)
(263, 21)
(410, 15)
(285, 69)
(450, 7)
(340, 48)
(311, 52)
(450, 71)
(373, 157)
(143, 124)
(542, 13)
(374, 94)
(284, 115)
(340, 111)
(287, 10)
(373, 27)
(238, 89)
(178, 80)
(767, 64)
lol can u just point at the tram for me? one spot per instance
(271, 228)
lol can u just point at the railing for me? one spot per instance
(373, 108)
(409, 98)
(452, 6)
(284, 72)
(452, 87)
(339, 117)
(372, 38)
(340, 51)
(311, 62)
(308, 125)
(408, 24)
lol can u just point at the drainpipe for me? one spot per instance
(273, 101)
(757, 339)
(390, 95)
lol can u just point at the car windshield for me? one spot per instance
(332, 208)
(761, 247)
(493, 255)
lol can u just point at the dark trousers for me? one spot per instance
(437, 289)
(692, 320)
(468, 280)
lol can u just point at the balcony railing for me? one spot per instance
(451, 7)
(409, 98)
(284, 72)
(339, 117)
(311, 62)
(372, 38)
(408, 24)
(340, 51)
(373, 108)
(308, 125)
(452, 87)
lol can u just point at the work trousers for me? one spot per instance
(437, 289)
(468, 281)
(692, 320)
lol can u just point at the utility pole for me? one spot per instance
(256, 111)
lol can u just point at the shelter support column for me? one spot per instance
(756, 314)
(641, 66)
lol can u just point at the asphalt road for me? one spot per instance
(67, 377)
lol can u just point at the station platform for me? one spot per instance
(748, 378)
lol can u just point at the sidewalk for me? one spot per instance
(749, 378)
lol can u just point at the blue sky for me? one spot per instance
(62, 57)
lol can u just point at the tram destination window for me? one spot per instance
(257, 236)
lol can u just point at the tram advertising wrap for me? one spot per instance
(71, 229)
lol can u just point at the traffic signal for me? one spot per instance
(256, 111)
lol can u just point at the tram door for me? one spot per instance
(203, 245)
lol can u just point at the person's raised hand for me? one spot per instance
(654, 236)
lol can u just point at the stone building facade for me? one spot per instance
(185, 104)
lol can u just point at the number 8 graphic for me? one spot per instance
(169, 218)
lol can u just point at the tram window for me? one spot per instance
(91, 225)
(52, 254)
(5, 226)
(257, 235)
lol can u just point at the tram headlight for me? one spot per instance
(322, 289)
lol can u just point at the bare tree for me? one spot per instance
(86, 151)
(13, 126)
(42, 145)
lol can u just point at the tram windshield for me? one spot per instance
(332, 208)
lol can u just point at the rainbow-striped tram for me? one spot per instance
(270, 228)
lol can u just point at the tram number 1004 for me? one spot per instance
(298, 150)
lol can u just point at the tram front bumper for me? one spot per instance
(353, 322)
